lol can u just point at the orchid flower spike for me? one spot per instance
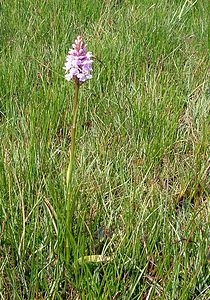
(78, 65)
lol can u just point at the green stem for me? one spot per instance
(70, 204)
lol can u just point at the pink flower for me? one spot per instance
(78, 63)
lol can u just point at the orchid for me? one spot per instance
(78, 65)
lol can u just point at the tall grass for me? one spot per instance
(141, 174)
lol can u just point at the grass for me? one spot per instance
(141, 172)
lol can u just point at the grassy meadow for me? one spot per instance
(141, 172)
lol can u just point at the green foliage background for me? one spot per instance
(142, 163)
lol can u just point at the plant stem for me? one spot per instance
(70, 204)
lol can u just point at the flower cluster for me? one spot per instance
(78, 65)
